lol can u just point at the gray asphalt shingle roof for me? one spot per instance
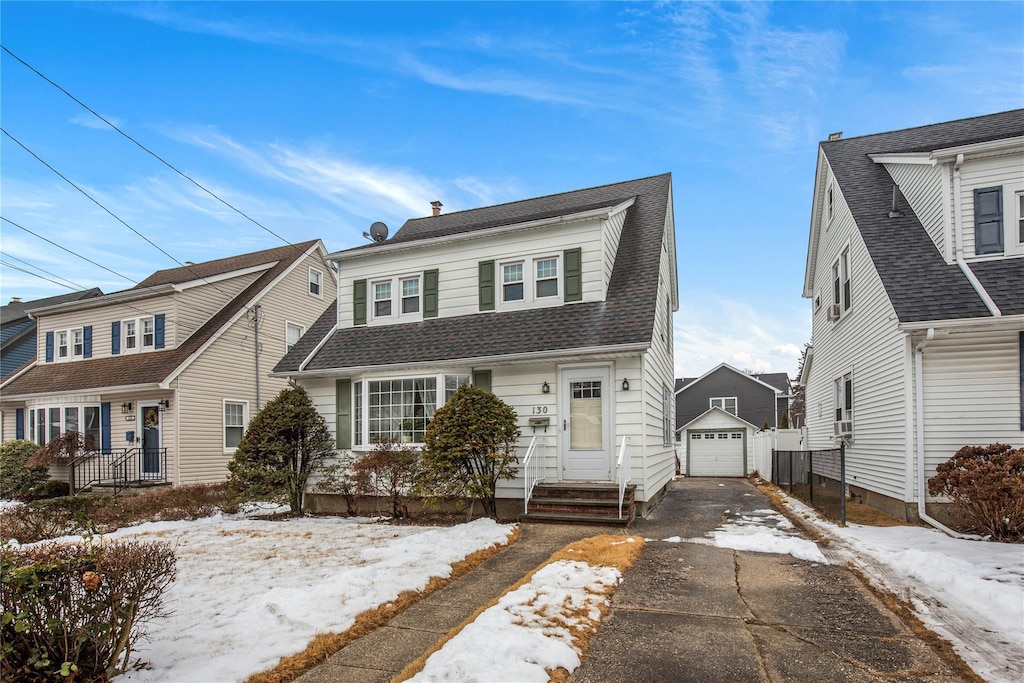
(918, 281)
(626, 317)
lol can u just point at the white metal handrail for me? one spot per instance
(622, 471)
(531, 472)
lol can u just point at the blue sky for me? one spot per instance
(317, 119)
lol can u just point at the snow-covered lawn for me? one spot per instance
(969, 592)
(251, 591)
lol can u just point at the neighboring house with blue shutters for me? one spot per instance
(915, 266)
(561, 305)
(18, 328)
(167, 373)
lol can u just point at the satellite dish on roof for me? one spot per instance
(378, 232)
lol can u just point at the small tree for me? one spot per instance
(784, 421)
(469, 445)
(17, 477)
(766, 425)
(284, 443)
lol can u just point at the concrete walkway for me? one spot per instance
(378, 656)
(690, 612)
(684, 612)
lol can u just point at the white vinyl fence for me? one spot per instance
(775, 439)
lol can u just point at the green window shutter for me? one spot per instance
(359, 302)
(487, 285)
(482, 379)
(574, 274)
(430, 294)
(343, 408)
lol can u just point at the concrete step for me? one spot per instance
(576, 518)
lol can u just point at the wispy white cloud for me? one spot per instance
(87, 120)
(711, 329)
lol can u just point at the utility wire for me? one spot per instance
(29, 272)
(73, 253)
(32, 265)
(115, 216)
(147, 150)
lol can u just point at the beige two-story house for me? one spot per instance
(161, 379)
(561, 305)
(915, 266)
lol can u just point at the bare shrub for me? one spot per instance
(338, 479)
(987, 484)
(388, 471)
(77, 611)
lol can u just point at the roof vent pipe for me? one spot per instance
(436, 206)
(832, 137)
(15, 299)
(893, 212)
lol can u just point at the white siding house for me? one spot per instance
(901, 279)
(559, 305)
(163, 378)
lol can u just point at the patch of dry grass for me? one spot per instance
(326, 644)
(606, 550)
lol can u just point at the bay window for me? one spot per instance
(48, 422)
(399, 408)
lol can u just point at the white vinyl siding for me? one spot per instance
(195, 305)
(1000, 171)
(611, 230)
(921, 186)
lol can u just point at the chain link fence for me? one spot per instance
(816, 477)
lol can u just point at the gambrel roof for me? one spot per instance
(624, 320)
(918, 281)
(154, 367)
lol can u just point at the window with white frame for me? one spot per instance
(844, 397)
(726, 403)
(292, 334)
(841, 281)
(138, 334)
(316, 283)
(148, 333)
(77, 343)
(666, 416)
(63, 348)
(399, 407)
(534, 280)
(235, 413)
(831, 204)
(399, 297)
(49, 422)
(1020, 217)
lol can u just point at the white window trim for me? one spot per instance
(530, 298)
(309, 283)
(225, 425)
(842, 268)
(396, 315)
(1018, 205)
(57, 346)
(361, 430)
(139, 347)
(723, 399)
(839, 396)
(287, 325)
(31, 419)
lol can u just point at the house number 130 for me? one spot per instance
(540, 410)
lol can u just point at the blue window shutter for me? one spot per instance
(87, 341)
(158, 330)
(359, 302)
(430, 293)
(19, 423)
(49, 347)
(988, 220)
(115, 338)
(486, 278)
(105, 427)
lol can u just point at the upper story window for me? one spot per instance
(547, 277)
(397, 297)
(512, 282)
(1020, 217)
(292, 334)
(727, 403)
(138, 334)
(843, 406)
(71, 344)
(530, 280)
(77, 343)
(316, 283)
(131, 336)
(988, 220)
(831, 204)
(63, 350)
(840, 285)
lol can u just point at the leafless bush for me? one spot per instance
(987, 484)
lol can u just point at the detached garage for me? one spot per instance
(718, 445)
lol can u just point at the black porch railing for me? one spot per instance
(816, 477)
(118, 469)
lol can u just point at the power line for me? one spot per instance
(45, 239)
(147, 150)
(41, 270)
(29, 272)
(114, 215)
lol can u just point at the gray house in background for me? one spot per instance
(753, 398)
(18, 329)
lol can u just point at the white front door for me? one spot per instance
(585, 404)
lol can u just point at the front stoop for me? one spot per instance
(581, 503)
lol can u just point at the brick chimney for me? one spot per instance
(436, 205)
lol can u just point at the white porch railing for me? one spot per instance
(531, 471)
(622, 471)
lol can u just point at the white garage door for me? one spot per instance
(716, 454)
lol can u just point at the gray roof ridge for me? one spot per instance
(921, 127)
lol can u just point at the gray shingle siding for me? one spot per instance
(755, 402)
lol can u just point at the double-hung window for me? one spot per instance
(726, 403)
(410, 295)
(547, 277)
(397, 298)
(1020, 217)
(131, 336)
(382, 299)
(77, 343)
(234, 422)
(63, 349)
(138, 334)
(841, 293)
(316, 283)
(292, 334)
(512, 288)
(531, 280)
(844, 397)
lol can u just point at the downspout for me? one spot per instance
(919, 406)
(958, 236)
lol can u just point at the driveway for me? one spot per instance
(693, 612)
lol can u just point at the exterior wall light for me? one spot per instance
(625, 384)
(545, 388)
(126, 407)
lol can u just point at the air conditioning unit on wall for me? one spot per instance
(843, 427)
(833, 312)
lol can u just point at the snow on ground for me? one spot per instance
(761, 531)
(251, 591)
(528, 630)
(970, 592)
